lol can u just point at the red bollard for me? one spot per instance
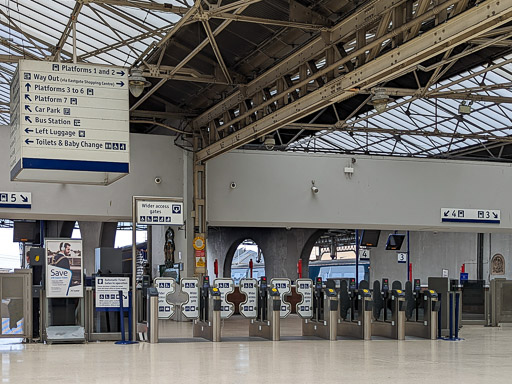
(251, 267)
(299, 268)
(216, 267)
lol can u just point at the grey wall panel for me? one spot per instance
(274, 189)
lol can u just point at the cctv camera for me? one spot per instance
(232, 185)
(314, 189)
(158, 180)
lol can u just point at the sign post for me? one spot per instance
(151, 210)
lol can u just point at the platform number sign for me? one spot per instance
(402, 257)
(364, 254)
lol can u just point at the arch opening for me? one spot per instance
(241, 252)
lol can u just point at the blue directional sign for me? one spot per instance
(16, 200)
(464, 277)
(458, 215)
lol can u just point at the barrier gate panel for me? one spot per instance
(249, 288)
(304, 288)
(225, 286)
(165, 286)
(284, 286)
(16, 304)
(190, 308)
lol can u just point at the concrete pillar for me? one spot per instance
(91, 239)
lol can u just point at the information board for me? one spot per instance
(70, 123)
(284, 286)
(159, 212)
(107, 291)
(249, 307)
(165, 286)
(305, 290)
(225, 286)
(190, 308)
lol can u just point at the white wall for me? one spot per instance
(274, 189)
(150, 156)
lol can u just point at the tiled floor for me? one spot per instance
(484, 356)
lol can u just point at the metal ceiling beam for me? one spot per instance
(259, 20)
(162, 115)
(122, 43)
(204, 43)
(216, 50)
(10, 58)
(390, 65)
(21, 50)
(145, 5)
(232, 6)
(404, 132)
(339, 33)
(67, 30)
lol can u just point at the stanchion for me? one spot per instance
(453, 317)
(440, 318)
(457, 295)
(121, 316)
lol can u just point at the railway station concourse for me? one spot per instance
(256, 190)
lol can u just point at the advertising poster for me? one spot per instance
(64, 268)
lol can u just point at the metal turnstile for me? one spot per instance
(324, 320)
(388, 310)
(208, 324)
(355, 310)
(267, 322)
(421, 311)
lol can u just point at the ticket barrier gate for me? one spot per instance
(355, 310)
(207, 325)
(388, 310)
(421, 311)
(324, 315)
(264, 311)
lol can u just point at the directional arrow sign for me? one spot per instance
(28, 130)
(120, 83)
(120, 73)
(27, 108)
(27, 97)
(28, 87)
(27, 118)
(27, 141)
(16, 200)
(465, 215)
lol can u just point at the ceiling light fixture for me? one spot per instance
(269, 143)
(137, 82)
(380, 99)
(465, 109)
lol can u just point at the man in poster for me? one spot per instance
(64, 268)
